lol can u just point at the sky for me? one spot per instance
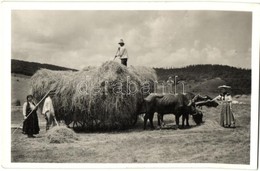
(77, 39)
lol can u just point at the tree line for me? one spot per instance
(238, 78)
(29, 68)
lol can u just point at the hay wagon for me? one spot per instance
(83, 120)
(101, 102)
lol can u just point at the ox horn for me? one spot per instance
(195, 98)
(190, 102)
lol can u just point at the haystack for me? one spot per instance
(147, 78)
(64, 83)
(67, 86)
(105, 98)
(45, 80)
(114, 95)
(61, 134)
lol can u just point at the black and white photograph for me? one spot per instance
(139, 86)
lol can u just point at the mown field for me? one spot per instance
(20, 87)
(207, 143)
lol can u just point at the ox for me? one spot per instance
(196, 116)
(177, 104)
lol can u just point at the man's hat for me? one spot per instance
(224, 86)
(121, 41)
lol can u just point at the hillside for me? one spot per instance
(239, 79)
(29, 68)
(20, 88)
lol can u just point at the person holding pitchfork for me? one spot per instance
(122, 52)
(30, 123)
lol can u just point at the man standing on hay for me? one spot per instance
(122, 52)
(48, 111)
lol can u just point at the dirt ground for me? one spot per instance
(207, 143)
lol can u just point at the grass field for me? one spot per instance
(208, 143)
(20, 87)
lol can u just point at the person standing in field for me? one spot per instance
(122, 52)
(31, 123)
(48, 111)
(227, 119)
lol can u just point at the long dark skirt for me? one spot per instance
(226, 116)
(31, 124)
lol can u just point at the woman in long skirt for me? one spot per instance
(227, 119)
(31, 123)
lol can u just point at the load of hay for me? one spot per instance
(147, 76)
(103, 98)
(114, 95)
(60, 81)
(64, 84)
(61, 134)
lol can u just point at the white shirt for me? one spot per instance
(122, 52)
(48, 106)
(226, 97)
(32, 106)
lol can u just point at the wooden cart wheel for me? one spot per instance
(78, 125)
(79, 122)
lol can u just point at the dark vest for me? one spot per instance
(28, 109)
(223, 95)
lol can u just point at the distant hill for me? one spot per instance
(209, 86)
(207, 77)
(29, 68)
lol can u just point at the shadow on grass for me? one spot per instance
(138, 127)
